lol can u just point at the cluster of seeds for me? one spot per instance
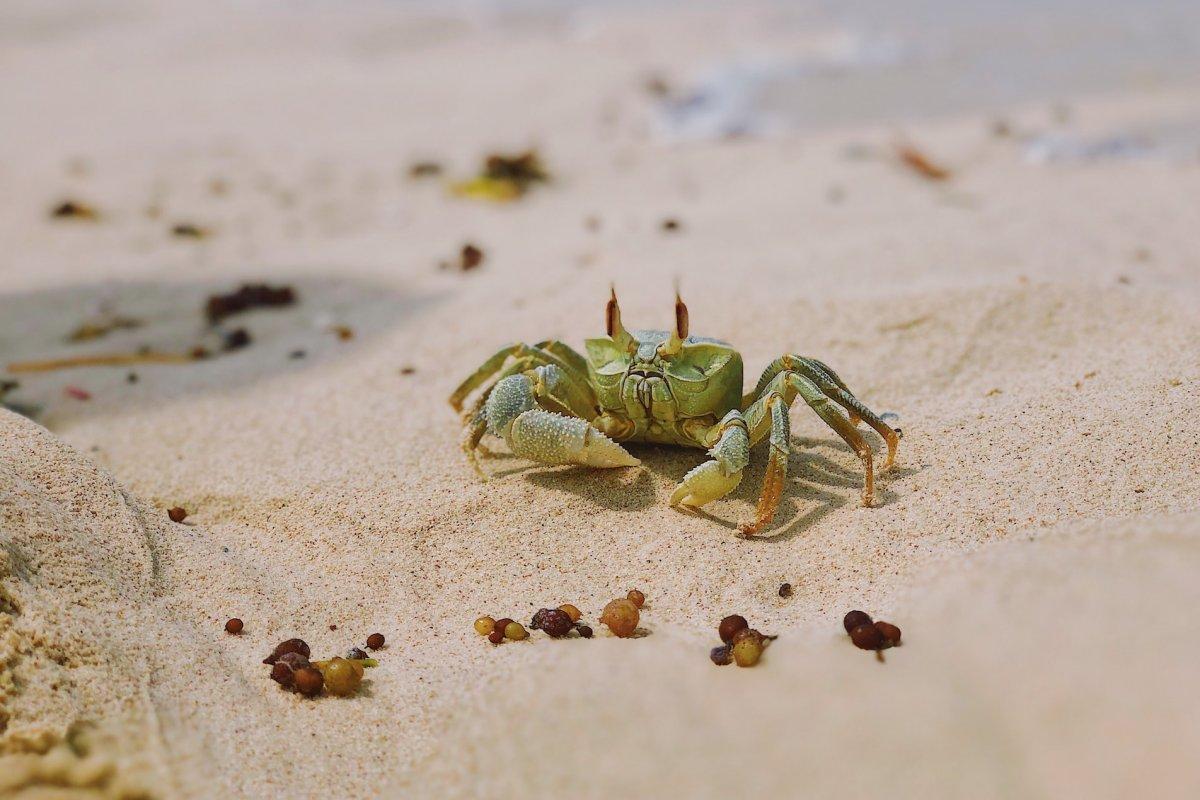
(742, 644)
(868, 635)
(291, 669)
(621, 617)
(497, 630)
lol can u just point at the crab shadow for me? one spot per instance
(614, 489)
(332, 318)
(817, 485)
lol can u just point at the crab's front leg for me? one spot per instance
(720, 476)
(518, 410)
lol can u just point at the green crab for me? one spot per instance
(554, 406)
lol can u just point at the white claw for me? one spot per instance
(704, 484)
(601, 451)
(550, 438)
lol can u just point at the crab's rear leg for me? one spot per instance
(558, 354)
(769, 414)
(533, 414)
(772, 411)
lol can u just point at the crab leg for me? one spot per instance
(519, 350)
(788, 385)
(774, 405)
(529, 411)
(832, 386)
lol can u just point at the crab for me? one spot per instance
(552, 405)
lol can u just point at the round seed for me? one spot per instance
(515, 631)
(375, 641)
(636, 597)
(233, 626)
(854, 619)
(730, 626)
(584, 631)
(309, 681)
(177, 514)
(866, 637)
(341, 678)
(555, 622)
(889, 632)
(747, 650)
(621, 617)
(496, 636)
(571, 611)
(485, 625)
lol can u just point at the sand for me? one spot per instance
(1032, 325)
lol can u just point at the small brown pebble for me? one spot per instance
(721, 655)
(785, 590)
(177, 514)
(496, 636)
(407, 370)
(584, 630)
(866, 637)
(671, 224)
(233, 626)
(132, 377)
(730, 626)
(889, 632)
(236, 339)
(854, 619)
(470, 257)
(636, 597)
(73, 209)
(500, 623)
(554, 622)
(290, 646)
(344, 332)
(375, 641)
(309, 681)
(186, 230)
(333, 627)
(425, 169)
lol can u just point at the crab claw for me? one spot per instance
(704, 484)
(550, 438)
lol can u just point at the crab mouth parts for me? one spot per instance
(646, 388)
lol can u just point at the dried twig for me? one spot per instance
(103, 360)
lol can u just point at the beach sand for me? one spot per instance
(1031, 321)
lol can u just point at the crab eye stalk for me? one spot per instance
(680, 333)
(612, 321)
